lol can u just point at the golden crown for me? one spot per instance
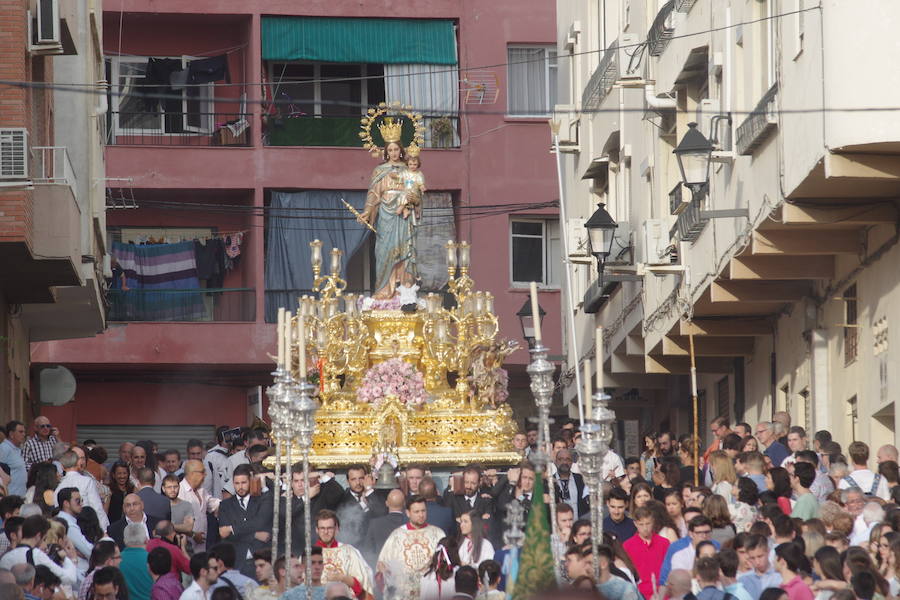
(391, 129)
(413, 150)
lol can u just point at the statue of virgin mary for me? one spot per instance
(395, 238)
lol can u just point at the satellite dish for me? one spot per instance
(57, 386)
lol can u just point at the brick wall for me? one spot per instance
(21, 107)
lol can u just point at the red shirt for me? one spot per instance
(179, 561)
(647, 558)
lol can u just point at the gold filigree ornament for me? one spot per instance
(391, 119)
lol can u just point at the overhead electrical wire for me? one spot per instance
(94, 88)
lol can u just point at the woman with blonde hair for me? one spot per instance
(723, 474)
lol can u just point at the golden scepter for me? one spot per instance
(357, 215)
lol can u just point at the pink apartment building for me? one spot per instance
(200, 160)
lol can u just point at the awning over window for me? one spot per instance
(384, 41)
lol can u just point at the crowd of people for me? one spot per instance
(761, 514)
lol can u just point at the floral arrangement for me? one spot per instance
(394, 377)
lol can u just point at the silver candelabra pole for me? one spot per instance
(540, 370)
(278, 415)
(305, 410)
(596, 434)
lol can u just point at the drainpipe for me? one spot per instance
(103, 87)
(653, 101)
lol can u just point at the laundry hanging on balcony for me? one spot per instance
(170, 76)
(159, 282)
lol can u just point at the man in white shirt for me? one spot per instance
(205, 571)
(871, 484)
(86, 486)
(33, 530)
(69, 502)
(254, 437)
(216, 464)
(191, 490)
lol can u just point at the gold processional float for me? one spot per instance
(424, 384)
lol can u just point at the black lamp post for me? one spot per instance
(526, 320)
(601, 233)
(694, 154)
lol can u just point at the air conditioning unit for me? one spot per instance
(656, 242)
(13, 154)
(576, 236)
(46, 29)
(628, 56)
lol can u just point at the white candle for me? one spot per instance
(288, 330)
(535, 313)
(587, 387)
(301, 341)
(598, 350)
(280, 334)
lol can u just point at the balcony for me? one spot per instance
(602, 80)
(662, 29)
(343, 130)
(51, 166)
(758, 124)
(235, 305)
(205, 129)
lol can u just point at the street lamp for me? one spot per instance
(694, 154)
(601, 233)
(526, 320)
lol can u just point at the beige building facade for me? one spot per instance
(783, 269)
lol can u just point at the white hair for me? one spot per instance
(336, 589)
(29, 510)
(872, 512)
(135, 535)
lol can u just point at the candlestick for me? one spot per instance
(301, 341)
(535, 313)
(598, 351)
(336, 261)
(280, 334)
(288, 330)
(587, 386)
(451, 253)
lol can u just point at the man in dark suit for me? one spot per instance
(518, 486)
(245, 521)
(323, 495)
(359, 505)
(155, 504)
(570, 487)
(133, 507)
(472, 496)
(381, 527)
(438, 514)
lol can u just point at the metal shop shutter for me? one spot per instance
(166, 436)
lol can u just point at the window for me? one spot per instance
(531, 80)
(766, 47)
(322, 89)
(535, 252)
(132, 114)
(851, 326)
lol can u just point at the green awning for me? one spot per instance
(383, 41)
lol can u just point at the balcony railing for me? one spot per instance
(662, 29)
(51, 165)
(330, 130)
(756, 127)
(195, 305)
(684, 6)
(602, 80)
(691, 222)
(180, 129)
